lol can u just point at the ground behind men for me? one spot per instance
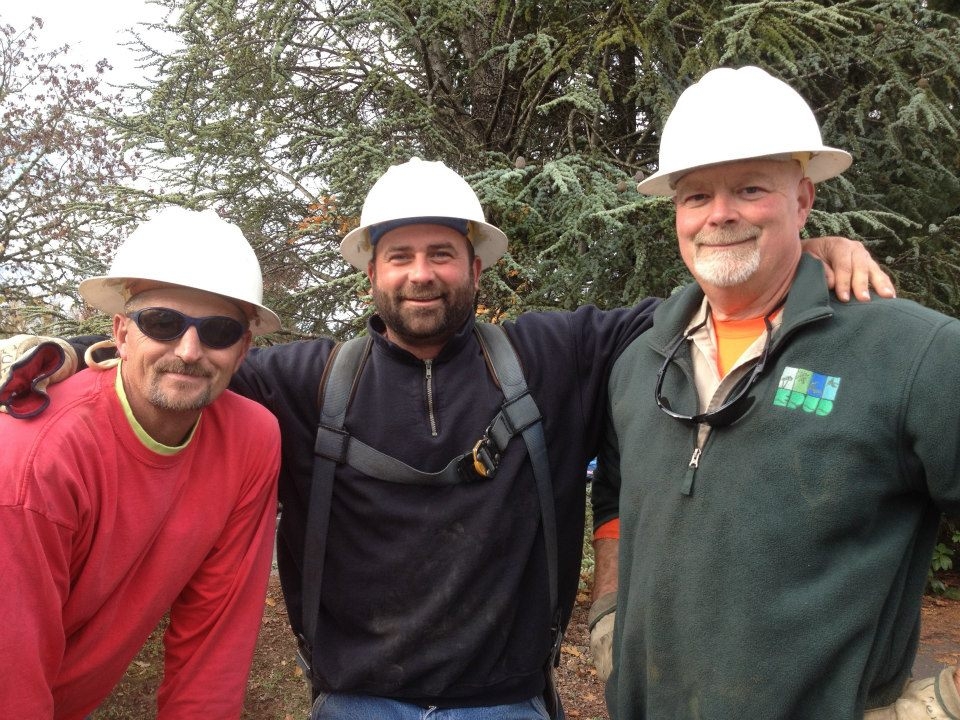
(276, 690)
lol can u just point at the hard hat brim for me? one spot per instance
(106, 293)
(489, 244)
(826, 163)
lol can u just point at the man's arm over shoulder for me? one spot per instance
(283, 374)
(608, 333)
(567, 357)
(849, 267)
(597, 333)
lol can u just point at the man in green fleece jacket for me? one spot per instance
(778, 460)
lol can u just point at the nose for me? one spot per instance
(722, 209)
(420, 270)
(189, 348)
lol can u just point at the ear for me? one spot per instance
(121, 324)
(370, 271)
(806, 194)
(477, 265)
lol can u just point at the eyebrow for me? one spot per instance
(407, 247)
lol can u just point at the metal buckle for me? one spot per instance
(486, 458)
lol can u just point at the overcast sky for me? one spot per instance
(94, 29)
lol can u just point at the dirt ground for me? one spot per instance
(939, 636)
(277, 691)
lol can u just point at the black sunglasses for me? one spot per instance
(735, 405)
(215, 331)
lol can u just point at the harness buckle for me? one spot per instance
(486, 457)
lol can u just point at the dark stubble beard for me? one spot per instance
(416, 326)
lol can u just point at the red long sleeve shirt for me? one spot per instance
(101, 534)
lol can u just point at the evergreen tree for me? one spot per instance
(283, 112)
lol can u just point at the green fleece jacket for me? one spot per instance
(782, 577)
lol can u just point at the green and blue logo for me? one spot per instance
(805, 389)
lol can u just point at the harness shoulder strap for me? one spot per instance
(339, 381)
(520, 411)
(337, 386)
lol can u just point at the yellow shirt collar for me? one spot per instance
(137, 428)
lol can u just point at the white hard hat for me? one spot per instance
(187, 248)
(739, 115)
(422, 191)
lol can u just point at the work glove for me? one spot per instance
(600, 620)
(933, 698)
(28, 363)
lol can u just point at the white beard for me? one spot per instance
(726, 267)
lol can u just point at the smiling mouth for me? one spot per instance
(727, 244)
(185, 378)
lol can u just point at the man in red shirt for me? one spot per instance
(145, 488)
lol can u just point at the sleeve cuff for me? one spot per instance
(610, 530)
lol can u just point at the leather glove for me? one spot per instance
(28, 363)
(600, 620)
(933, 698)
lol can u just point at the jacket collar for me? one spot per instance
(377, 330)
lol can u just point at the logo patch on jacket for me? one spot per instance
(806, 390)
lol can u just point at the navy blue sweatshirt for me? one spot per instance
(439, 595)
